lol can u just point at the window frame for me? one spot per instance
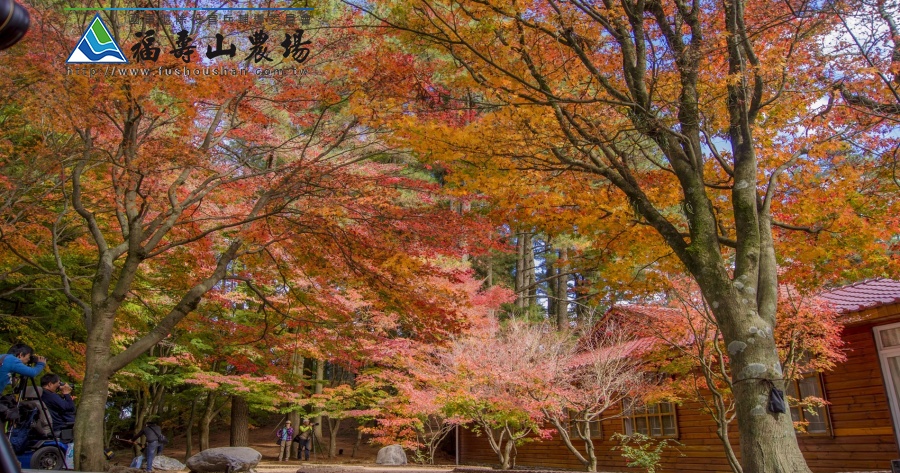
(630, 415)
(595, 434)
(826, 413)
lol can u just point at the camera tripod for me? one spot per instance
(314, 444)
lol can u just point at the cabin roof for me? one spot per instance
(863, 295)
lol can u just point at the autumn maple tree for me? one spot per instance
(159, 192)
(412, 417)
(696, 117)
(516, 381)
(485, 377)
(600, 377)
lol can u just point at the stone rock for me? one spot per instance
(391, 455)
(160, 462)
(164, 463)
(226, 459)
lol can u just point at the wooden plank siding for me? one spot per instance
(863, 434)
(862, 430)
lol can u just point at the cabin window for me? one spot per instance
(576, 425)
(815, 417)
(889, 337)
(654, 420)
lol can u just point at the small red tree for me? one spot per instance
(413, 417)
(487, 378)
(604, 370)
(415, 413)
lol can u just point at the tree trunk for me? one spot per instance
(530, 277)
(333, 426)
(768, 441)
(240, 422)
(157, 393)
(293, 450)
(359, 436)
(204, 434)
(589, 449)
(320, 384)
(747, 304)
(551, 273)
(722, 433)
(588, 460)
(437, 431)
(526, 289)
(502, 444)
(189, 433)
(561, 291)
(506, 459)
(209, 413)
(297, 378)
(91, 416)
(520, 270)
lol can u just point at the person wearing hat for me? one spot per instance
(303, 438)
(285, 434)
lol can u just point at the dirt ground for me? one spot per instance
(262, 439)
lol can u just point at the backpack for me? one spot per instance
(776, 401)
(18, 435)
(159, 435)
(9, 409)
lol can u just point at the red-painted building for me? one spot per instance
(857, 431)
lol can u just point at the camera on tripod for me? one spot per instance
(14, 22)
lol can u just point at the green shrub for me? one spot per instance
(642, 451)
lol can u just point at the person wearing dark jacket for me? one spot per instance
(57, 396)
(155, 442)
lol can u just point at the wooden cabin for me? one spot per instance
(858, 430)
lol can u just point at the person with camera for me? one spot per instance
(17, 361)
(57, 396)
(303, 438)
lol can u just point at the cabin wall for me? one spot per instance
(862, 431)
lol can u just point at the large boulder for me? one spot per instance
(164, 463)
(227, 459)
(160, 462)
(391, 455)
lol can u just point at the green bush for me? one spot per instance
(642, 451)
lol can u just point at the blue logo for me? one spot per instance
(97, 46)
